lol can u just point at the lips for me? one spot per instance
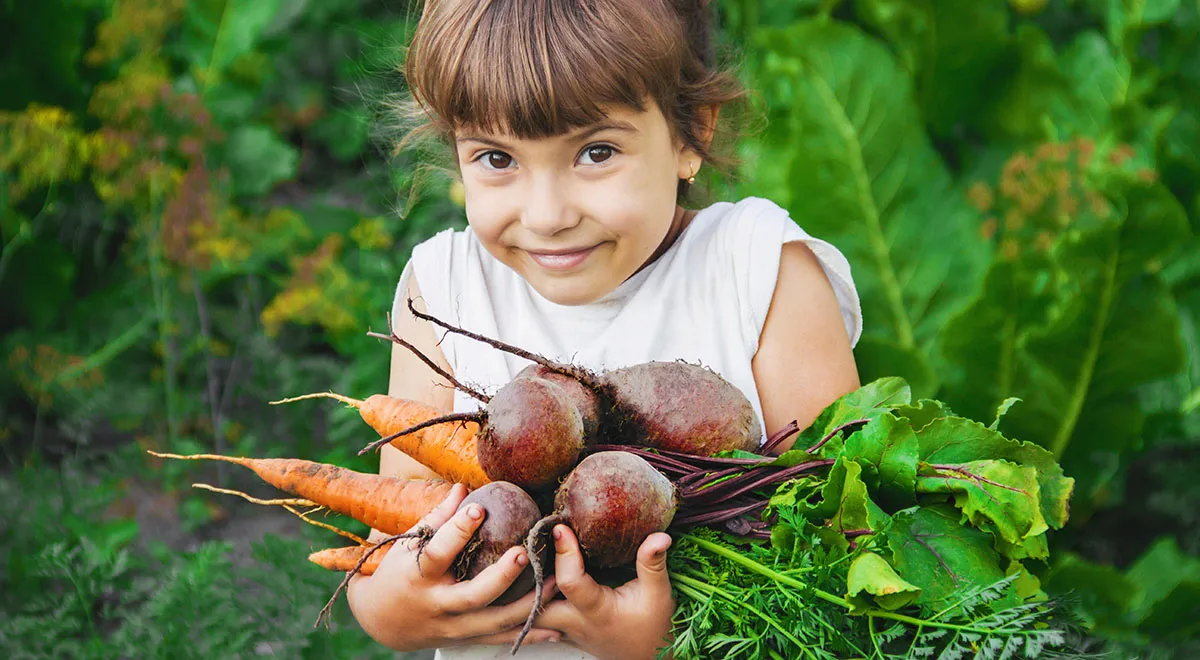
(559, 259)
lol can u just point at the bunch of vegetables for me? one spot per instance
(892, 529)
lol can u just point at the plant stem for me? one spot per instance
(702, 586)
(765, 570)
(790, 581)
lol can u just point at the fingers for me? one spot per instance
(573, 581)
(492, 620)
(536, 636)
(444, 511)
(652, 562)
(432, 520)
(481, 590)
(449, 540)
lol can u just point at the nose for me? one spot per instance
(547, 208)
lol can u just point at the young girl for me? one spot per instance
(578, 125)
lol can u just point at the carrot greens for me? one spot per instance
(904, 533)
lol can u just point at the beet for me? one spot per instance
(532, 434)
(509, 516)
(584, 399)
(672, 406)
(613, 500)
(679, 407)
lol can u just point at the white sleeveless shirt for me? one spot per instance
(704, 300)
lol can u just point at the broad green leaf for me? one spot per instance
(956, 51)
(872, 574)
(1160, 572)
(1027, 586)
(954, 440)
(1127, 18)
(1101, 592)
(867, 402)
(1001, 410)
(1177, 615)
(845, 505)
(887, 451)
(1099, 82)
(1027, 97)
(258, 160)
(923, 412)
(991, 491)
(864, 176)
(932, 550)
(1116, 328)
(1031, 547)
(243, 24)
(982, 342)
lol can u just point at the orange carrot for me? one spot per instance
(447, 449)
(345, 559)
(390, 504)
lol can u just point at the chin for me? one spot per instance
(567, 293)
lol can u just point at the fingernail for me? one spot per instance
(522, 559)
(557, 533)
(475, 511)
(552, 640)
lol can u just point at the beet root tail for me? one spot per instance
(533, 548)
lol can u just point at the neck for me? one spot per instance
(680, 222)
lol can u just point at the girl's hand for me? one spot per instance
(407, 606)
(630, 622)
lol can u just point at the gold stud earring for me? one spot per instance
(692, 178)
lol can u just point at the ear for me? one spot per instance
(706, 123)
(705, 126)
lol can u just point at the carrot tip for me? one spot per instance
(322, 395)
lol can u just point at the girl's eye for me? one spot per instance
(497, 160)
(597, 154)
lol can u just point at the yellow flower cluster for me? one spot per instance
(371, 234)
(320, 292)
(135, 26)
(43, 146)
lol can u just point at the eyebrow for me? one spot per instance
(585, 133)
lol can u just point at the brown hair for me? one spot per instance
(537, 68)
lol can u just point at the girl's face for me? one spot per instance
(577, 214)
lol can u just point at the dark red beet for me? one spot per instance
(510, 515)
(613, 500)
(680, 407)
(583, 398)
(532, 435)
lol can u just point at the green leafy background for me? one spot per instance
(200, 212)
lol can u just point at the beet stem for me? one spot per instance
(737, 485)
(477, 416)
(832, 434)
(581, 375)
(781, 435)
(394, 338)
(717, 516)
(534, 552)
(650, 456)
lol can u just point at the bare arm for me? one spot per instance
(804, 361)
(412, 379)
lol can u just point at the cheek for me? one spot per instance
(486, 213)
(638, 205)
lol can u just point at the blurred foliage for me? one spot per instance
(201, 213)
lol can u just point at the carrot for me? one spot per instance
(447, 449)
(390, 504)
(345, 559)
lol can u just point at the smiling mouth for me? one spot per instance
(560, 260)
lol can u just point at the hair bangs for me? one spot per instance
(537, 68)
